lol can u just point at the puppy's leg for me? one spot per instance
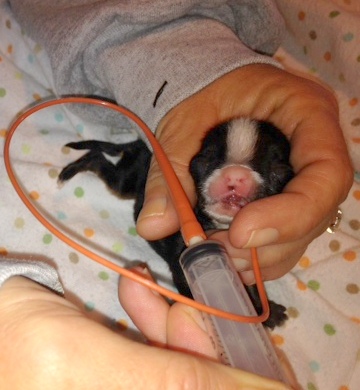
(125, 177)
(91, 161)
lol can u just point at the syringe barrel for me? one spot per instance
(214, 281)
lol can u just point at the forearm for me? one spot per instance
(128, 52)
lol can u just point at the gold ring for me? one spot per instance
(336, 222)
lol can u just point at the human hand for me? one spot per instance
(48, 343)
(281, 226)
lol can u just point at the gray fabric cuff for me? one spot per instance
(165, 69)
(37, 271)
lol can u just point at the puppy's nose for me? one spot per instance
(235, 179)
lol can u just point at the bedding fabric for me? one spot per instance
(321, 339)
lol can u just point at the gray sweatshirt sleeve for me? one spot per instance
(148, 55)
(38, 271)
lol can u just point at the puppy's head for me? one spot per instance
(239, 161)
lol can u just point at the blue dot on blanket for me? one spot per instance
(79, 128)
(89, 306)
(59, 117)
(357, 176)
(61, 215)
(314, 366)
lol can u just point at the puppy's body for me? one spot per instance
(239, 162)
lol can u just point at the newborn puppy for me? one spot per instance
(239, 161)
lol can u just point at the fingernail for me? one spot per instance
(197, 317)
(152, 208)
(143, 270)
(262, 237)
(240, 264)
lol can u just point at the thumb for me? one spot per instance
(158, 217)
(180, 134)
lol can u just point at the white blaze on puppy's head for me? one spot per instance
(241, 140)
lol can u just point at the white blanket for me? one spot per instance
(322, 337)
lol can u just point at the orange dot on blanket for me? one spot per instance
(356, 195)
(301, 286)
(3, 133)
(304, 262)
(34, 195)
(89, 232)
(277, 339)
(349, 256)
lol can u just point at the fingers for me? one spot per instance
(180, 134)
(186, 331)
(273, 267)
(147, 309)
(178, 327)
(64, 354)
(158, 217)
(275, 260)
(323, 179)
(279, 219)
(308, 114)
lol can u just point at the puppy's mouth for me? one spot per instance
(224, 209)
(233, 201)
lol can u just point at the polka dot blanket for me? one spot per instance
(321, 339)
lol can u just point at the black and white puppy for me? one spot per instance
(239, 161)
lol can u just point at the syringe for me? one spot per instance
(213, 280)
